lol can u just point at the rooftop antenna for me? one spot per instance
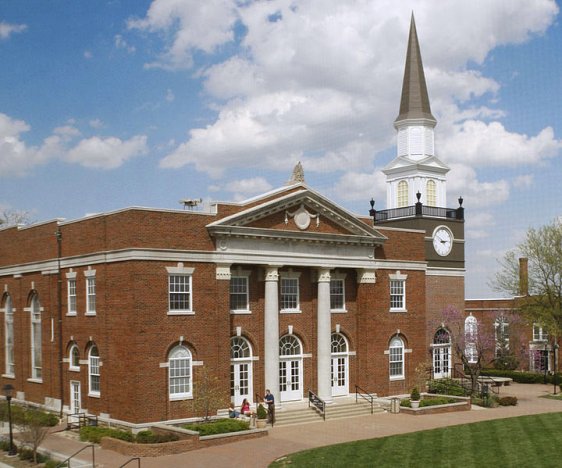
(190, 203)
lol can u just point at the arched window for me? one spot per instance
(402, 194)
(289, 345)
(339, 344)
(94, 371)
(9, 338)
(470, 337)
(396, 358)
(240, 348)
(431, 193)
(442, 337)
(179, 373)
(74, 358)
(36, 348)
(441, 354)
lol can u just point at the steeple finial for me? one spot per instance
(414, 103)
(297, 176)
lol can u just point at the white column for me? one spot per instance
(271, 332)
(324, 336)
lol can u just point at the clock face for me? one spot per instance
(442, 241)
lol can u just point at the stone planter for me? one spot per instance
(261, 423)
(415, 404)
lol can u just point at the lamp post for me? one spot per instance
(555, 375)
(8, 389)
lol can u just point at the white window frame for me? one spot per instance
(402, 195)
(396, 355)
(539, 334)
(72, 308)
(471, 337)
(181, 355)
(36, 339)
(246, 293)
(284, 278)
(94, 370)
(71, 365)
(187, 274)
(431, 189)
(10, 368)
(339, 278)
(90, 291)
(395, 280)
(501, 331)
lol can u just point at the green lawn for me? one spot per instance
(527, 441)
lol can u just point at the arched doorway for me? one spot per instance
(340, 365)
(290, 368)
(240, 370)
(441, 354)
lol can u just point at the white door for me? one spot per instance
(241, 382)
(75, 397)
(339, 376)
(441, 362)
(290, 379)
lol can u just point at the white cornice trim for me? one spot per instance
(432, 271)
(257, 258)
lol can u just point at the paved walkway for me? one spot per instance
(288, 439)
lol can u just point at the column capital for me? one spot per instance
(223, 271)
(366, 276)
(323, 275)
(272, 273)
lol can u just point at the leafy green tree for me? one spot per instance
(543, 249)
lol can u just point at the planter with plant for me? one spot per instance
(415, 398)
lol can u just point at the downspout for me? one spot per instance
(58, 235)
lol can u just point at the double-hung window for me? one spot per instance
(539, 334)
(90, 291)
(71, 293)
(94, 372)
(74, 358)
(398, 292)
(179, 373)
(290, 292)
(36, 339)
(239, 297)
(180, 292)
(337, 294)
(9, 338)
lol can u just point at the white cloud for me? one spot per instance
(362, 186)
(463, 180)
(7, 29)
(243, 188)
(96, 123)
(121, 43)
(88, 55)
(524, 181)
(106, 153)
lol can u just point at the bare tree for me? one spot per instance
(208, 393)
(543, 249)
(9, 217)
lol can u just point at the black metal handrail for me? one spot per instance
(317, 402)
(82, 419)
(76, 453)
(365, 395)
(413, 210)
(131, 460)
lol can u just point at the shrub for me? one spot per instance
(5, 445)
(220, 426)
(149, 437)
(27, 454)
(94, 434)
(406, 402)
(415, 395)
(507, 401)
(262, 413)
(433, 401)
(522, 377)
(446, 387)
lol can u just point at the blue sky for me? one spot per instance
(110, 104)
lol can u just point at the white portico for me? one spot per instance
(296, 228)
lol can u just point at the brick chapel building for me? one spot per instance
(120, 314)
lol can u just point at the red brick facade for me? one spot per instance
(130, 251)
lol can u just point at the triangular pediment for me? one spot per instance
(303, 213)
(403, 164)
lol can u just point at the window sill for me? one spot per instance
(94, 395)
(394, 311)
(394, 379)
(35, 380)
(290, 311)
(9, 376)
(90, 314)
(71, 314)
(182, 397)
(338, 311)
(74, 369)
(181, 312)
(240, 312)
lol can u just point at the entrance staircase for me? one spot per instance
(300, 413)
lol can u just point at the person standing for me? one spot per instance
(270, 400)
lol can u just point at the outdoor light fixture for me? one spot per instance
(8, 389)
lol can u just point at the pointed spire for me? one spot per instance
(414, 103)
(297, 177)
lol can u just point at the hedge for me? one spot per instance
(95, 433)
(220, 426)
(149, 437)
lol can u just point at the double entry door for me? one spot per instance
(441, 362)
(290, 379)
(240, 382)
